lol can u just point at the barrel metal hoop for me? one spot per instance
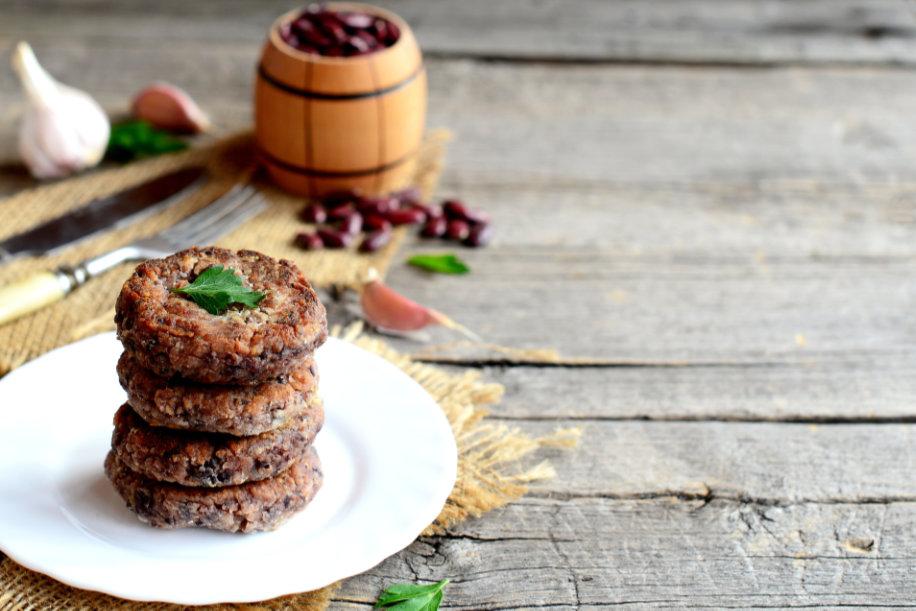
(298, 169)
(317, 95)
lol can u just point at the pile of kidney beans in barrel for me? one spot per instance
(338, 33)
(342, 217)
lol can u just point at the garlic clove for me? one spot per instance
(385, 308)
(63, 129)
(170, 108)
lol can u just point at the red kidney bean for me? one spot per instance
(409, 195)
(457, 230)
(313, 213)
(374, 222)
(352, 223)
(434, 227)
(335, 198)
(479, 235)
(340, 212)
(425, 208)
(308, 241)
(355, 46)
(407, 216)
(375, 240)
(318, 29)
(377, 205)
(477, 217)
(454, 209)
(332, 238)
(357, 21)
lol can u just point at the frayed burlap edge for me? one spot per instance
(491, 473)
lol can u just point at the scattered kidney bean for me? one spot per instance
(349, 196)
(308, 241)
(313, 213)
(479, 235)
(406, 216)
(374, 222)
(409, 195)
(375, 240)
(323, 31)
(377, 205)
(352, 223)
(476, 217)
(331, 238)
(457, 230)
(454, 209)
(340, 212)
(347, 213)
(434, 227)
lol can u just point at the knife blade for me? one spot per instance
(102, 213)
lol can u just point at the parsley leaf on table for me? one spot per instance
(137, 139)
(217, 287)
(446, 263)
(411, 597)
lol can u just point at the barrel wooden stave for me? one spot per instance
(331, 123)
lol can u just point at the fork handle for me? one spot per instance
(44, 288)
(32, 293)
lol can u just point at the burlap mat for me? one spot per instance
(489, 472)
(229, 160)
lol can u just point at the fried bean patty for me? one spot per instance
(236, 410)
(208, 459)
(172, 336)
(254, 506)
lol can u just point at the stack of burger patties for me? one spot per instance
(222, 407)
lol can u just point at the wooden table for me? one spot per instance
(709, 210)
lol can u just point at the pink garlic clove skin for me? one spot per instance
(387, 309)
(170, 108)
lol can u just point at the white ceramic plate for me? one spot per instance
(388, 456)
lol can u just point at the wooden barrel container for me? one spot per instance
(325, 124)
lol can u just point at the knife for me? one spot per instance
(103, 213)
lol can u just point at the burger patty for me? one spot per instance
(171, 335)
(250, 507)
(207, 459)
(235, 410)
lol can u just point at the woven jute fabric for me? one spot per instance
(489, 476)
(229, 161)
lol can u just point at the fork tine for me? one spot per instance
(235, 217)
(197, 221)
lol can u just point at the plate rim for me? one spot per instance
(201, 597)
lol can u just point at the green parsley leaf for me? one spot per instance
(137, 139)
(446, 263)
(411, 597)
(216, 288)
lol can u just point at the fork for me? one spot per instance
(202, 227)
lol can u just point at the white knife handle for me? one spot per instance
(32, 293)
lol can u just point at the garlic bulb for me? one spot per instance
(63, 130)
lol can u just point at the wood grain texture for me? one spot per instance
(749, 32)
(819, 392)
(664, 553)
(734, 240)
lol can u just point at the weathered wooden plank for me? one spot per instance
(881, 390)
(674, 310)
(771, 462)
(664, 552)
(698, 31)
